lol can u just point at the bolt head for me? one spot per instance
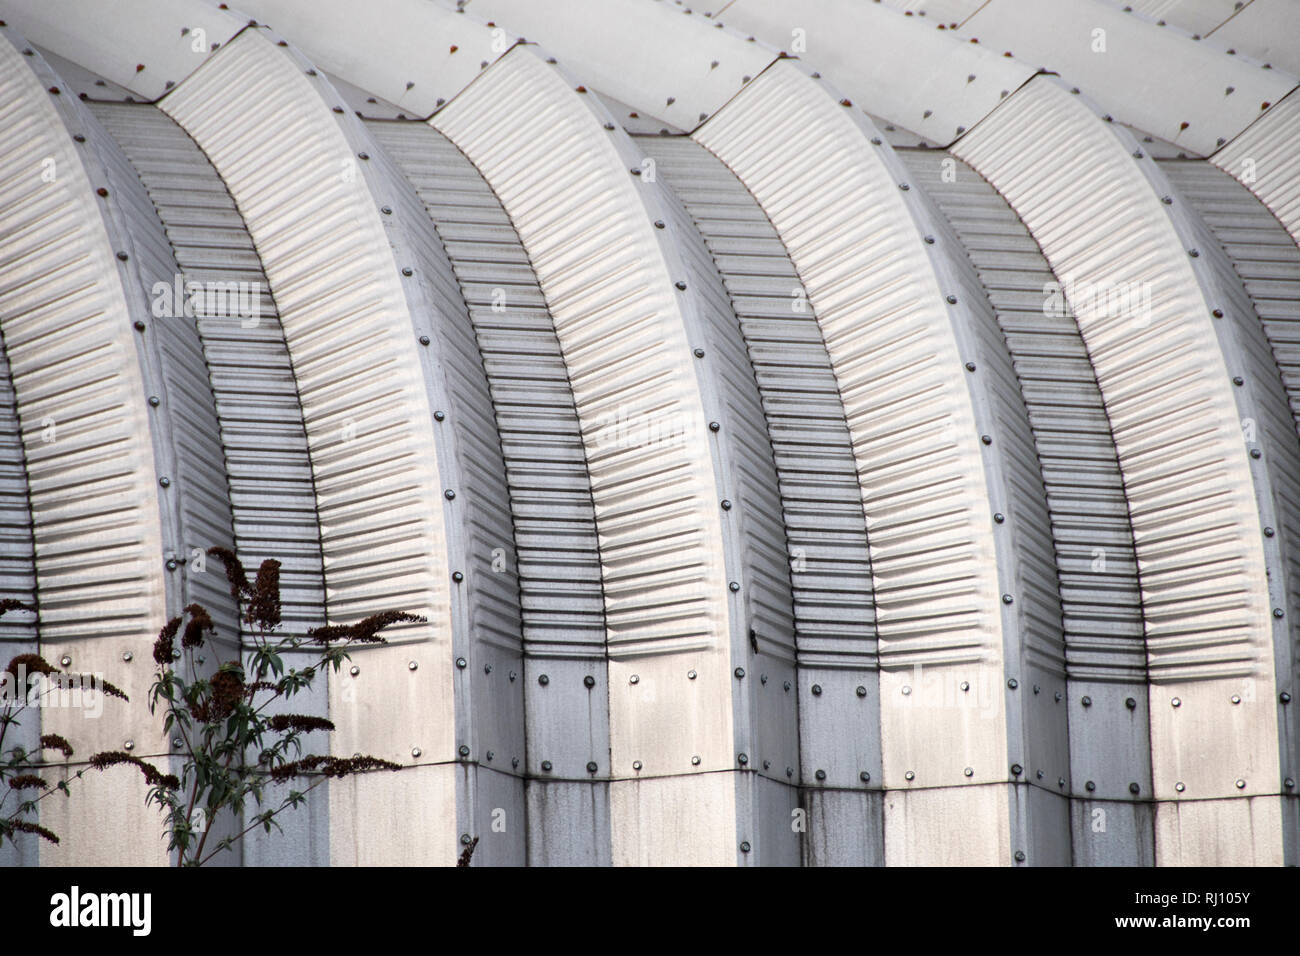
(412, 665)
(1241, 784)
(969, 771)
(817, 690)
(546, 766)
(910, 775)
(354, 670)
(461, 663)
(463, 750)
(820, 775)
(415, 752)
(545, 679)
(128, 656)
(740, 673)
(591, 766)
(695, 761)
(65, 660)
(864, 777)
(589, 682)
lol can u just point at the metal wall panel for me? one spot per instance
(1266, 160)
(390, 537)
(1265, 30)
(550, 491)
(1105, 654)
(822, 200)
(78, 378)
(1201, 645)
(670, 606)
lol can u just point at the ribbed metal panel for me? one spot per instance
(1266, 160)
(305, 197)
(96, 524)
(627, 336)
(1099, 592)
(197, 489)
(264, 444)
(1095, 211)
(1263, 254)
(825, 201)
(550, 492)
(17, 554)
(820, 499)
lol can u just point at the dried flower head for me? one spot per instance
(199, 622)
(13, 604)
(152, 775)
(25, 826)
(235, 574)
(27, 781)
(55, 742)
(282, 722)
(164, 649)
(331, 766)
(365, 631)
(264, 605)
(32, 663)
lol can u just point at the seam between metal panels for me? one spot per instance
(1265, 158)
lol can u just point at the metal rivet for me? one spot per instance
(412, 665)
(986, 439)
(489, 755)
(1180, 786)
(1008, 599)
(165, 481)
(589, 682)
(1137, 154)
(546, 766)
(861, 691)
(744, 846)
(726, 504)
(929, 240)
(634, 679)
(591, 766)
(734, 585)
(964, 685)
(487, 668)
(636, 765)
(407, 271)
(904, 187)
(65, 660)
(439, 416)
(690, 675)
(1060, 782)
(1290, 783)
(699, 353)
(449, 494)
(463, 751)
(354, 670)
(1134, 789)
(1176, 702)
(714, 426)
(363, 155)
(950, 299)
(740, 673)
(681, 286)
(1090, 786)
(762, 679)
(171, 564)
(909, 775)
(1284, 697)
(1236, 699)
(424, 340)
(1017, 770)
(999, 517)
(1037, 689)
(544, 679)
(743, 759)
(789, 771)
(1269, 532)
(695, 761)
(154, 400)
(139, 325)
(1020, 856)
(659, 224)
(1241, 784)
(415, 752)
(864, 777)
(1167, 200)
(511, 676)
(1130, 703)
(969, 771)
(1278, 612)
(875, 141)
(461, 663)
(1217, 313)
(820, 775)
(786, 686)
(128, 745)
(970, 366)
(767, 765)
(1087, 701)
(457, 577)
(817, 690)
(1038, 774)
(907, 690)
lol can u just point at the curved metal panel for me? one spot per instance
(1201, 645)
(80, 386)
(1266, 160)
(1105, 654)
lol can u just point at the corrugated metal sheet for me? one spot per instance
(265, 447)
(854, 285)
(97, 531)
(669, 609)
(1105, 655)
(1191, 433)
(348, 324)
(1264, 30)
(1266, 160)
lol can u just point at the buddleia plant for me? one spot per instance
(232, 747)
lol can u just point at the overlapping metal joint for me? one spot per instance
(773, 495)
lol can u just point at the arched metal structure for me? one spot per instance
(775, 494)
